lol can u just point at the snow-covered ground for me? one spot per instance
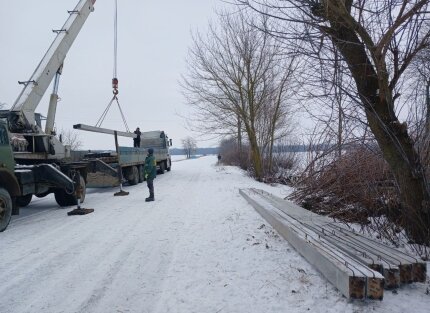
(198, 248)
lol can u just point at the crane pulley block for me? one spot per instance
(115, 85)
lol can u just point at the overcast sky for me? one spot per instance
(153, 38)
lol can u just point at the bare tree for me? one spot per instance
(237, 83)
(190, 145)
(419, 112)
(420, 76)
(378, 40)
(71, 138)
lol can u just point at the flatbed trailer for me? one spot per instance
(104, 166)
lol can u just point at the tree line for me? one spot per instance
(358, 69)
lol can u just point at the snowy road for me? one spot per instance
(198, 248)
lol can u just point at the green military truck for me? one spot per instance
(18, 183)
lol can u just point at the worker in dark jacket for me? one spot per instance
(136, 140)
(150, 170)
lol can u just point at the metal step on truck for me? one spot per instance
(104, 166)
(18, 183)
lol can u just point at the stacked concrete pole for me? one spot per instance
(357, 266)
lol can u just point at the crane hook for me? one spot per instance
(115, 85)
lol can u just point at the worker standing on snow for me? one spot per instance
(150, 170)
(136, 140)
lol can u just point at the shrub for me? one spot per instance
(352, 187)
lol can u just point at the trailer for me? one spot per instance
(106, 168)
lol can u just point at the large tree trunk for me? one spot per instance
(256, 159)
(255, 152)
(239, 140)
(392, 136)
(272, 142)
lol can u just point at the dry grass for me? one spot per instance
(353, 187)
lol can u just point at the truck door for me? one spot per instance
(6, 154)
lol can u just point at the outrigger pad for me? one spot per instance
(121, 193)
(80, 211)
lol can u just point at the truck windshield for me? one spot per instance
(4, 140)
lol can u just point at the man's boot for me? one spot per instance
(150, 198)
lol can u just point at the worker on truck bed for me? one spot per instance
(150, 170)
(136, 140)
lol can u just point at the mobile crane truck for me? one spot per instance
(42, 164)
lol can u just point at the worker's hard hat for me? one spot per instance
(150, 151)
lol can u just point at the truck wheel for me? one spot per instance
(162, 168)
(23, 201)
(170, 165)
(15, 207)
(5, 209)
(141, 173)
(65, 199)
(134, 176)
(42, 195)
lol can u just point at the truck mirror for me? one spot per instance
(170, 141)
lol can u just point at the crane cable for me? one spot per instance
(115, 40)
(114, 79)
